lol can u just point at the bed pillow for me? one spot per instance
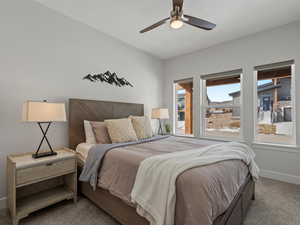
(121, 130)
(101, 132)
(89, 134)
(142, 126)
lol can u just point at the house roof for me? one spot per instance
(260, 88)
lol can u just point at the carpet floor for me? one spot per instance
(276, 203)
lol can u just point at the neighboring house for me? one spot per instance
(273, 97)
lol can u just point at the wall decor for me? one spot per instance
(108, 77)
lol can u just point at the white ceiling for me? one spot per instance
(123, 20)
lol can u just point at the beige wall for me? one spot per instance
(44, 55)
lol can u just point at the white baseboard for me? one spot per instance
(284, 177)
(3, 203)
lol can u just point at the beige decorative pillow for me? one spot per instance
(89, 134)
(121, 130)
(101, 132)
(142, 126)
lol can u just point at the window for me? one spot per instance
(274, 101)
(221, 105)
(183, 116)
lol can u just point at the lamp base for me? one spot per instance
(160, 130)
(43, 154)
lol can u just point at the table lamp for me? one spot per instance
(160, 114)
(44, 113)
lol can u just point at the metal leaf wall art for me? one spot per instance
(108, 77)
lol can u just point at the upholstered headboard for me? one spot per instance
(92, 110)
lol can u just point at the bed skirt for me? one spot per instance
(126, 215)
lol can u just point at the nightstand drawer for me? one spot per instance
(29, 175)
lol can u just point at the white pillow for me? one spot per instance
(121, 130)
(89, 133)
(142, 126)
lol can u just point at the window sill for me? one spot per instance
(215, 138)
(255, 145)
(182, 135)
(210, 138)
(276, 147)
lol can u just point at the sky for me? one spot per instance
(221, 93)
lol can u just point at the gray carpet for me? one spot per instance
(276, 203)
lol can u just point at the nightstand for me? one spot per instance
(33, 184)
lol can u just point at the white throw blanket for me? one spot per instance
(154, 191)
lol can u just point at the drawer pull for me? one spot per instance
(49, 164)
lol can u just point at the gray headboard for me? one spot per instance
(93, 110)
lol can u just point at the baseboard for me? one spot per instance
(284, 177)
(3, 203)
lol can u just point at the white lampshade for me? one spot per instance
(43, 112)
(160, 113)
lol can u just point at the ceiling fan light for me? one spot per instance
(176, 24)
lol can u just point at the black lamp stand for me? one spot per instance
(160, 130)
(44, 154)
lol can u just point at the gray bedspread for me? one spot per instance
(202, 193)
(92, 165)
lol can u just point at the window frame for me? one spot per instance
(174, 108)
(255, 141)
(204, 106)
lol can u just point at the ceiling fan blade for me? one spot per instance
(178, 3)
(196, 22)
(154, 25)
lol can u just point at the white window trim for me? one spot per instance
(255, 103)
(204, 106)
(174, 109)
(199, 89)
(293, 95)
(294, 147)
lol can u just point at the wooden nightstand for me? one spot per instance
(33, 184)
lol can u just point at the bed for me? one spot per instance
(124, 213)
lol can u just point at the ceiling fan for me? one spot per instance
(177, 19)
